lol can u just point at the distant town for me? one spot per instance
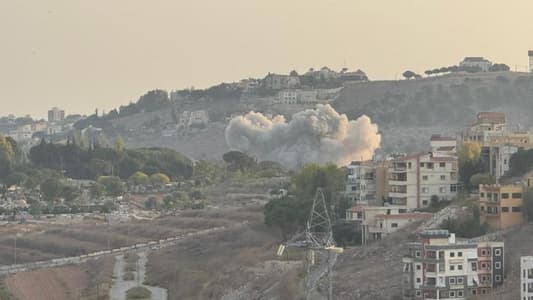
(154, 187)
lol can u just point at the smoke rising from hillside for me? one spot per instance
(317, 135)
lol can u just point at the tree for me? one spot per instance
(139, 178)
(109, 206)
(7, 156)
(528, 204)
(113, 185)
(469, 152)
(428, 72)
(159, 179)
(408, 74)
(239, 161)
(70, 192)
(151, 203)
(521, 162)
(119, 144)
(51, 189)
(293, 73)
(16, 178)
(481, 178)
(499, 68)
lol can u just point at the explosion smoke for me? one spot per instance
(317, 135)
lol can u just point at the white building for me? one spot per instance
(377, 222)
(526, 278)
(414, 179)
(476, 62)
(56, 115)
(197, 118)
(361, 183)
(439, 267)
(286, 97)
(443, 145)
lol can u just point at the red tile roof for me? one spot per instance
(496, 116)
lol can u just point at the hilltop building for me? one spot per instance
(439, 267)
(56, 115)
(526, 277)
(476, 62)
(501, 205)
(280, 82)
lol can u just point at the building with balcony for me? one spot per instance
(367, 182)
(377, 222)
(56, 115)
(439, 267)
(500, 206)
(414, 179)
(526, 278)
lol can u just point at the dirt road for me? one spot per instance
(120, 286)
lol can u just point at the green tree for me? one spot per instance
(7, 156)
(528, 204)
(113, 185)
(15, 178)
(159, 179)
(108, 206)
(468, 152)
(139, 178)
(119, 144)
(408, 74)
(481, 178)
(521, 162)
(239, 161)
(51, 189)
(151, 203)
(70, 193)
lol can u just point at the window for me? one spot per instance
(497, 265)
(409, 165)
(424, 202)
(442, 177)
(495, 209)
(452, 280)
(452, 254)
(425, 177)
(517, 209)
(430, 165)
(422, 165)
(498, 278)
(482, 208)
(460, 294)
(419, 267)
(497, 252)
(452, 294)
(459, 280)
(425, 190)
(418, 293)
(417, 253)
(453, 188)
(505, 195)
(474, 266)
(517, 195)
(459, 254)
(505, 209)
(394, 225)
(481, 194)
(489, 209)
(452, 268)
(459, 267)
(442, 190)
(442, 165)
(418, 280)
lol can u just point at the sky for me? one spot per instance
(81, 55)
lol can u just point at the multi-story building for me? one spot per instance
(443, 145)
(56, 115)
(487, 124)
(280, 82)
(287, 97)
(501, 205)
(502, 146)
(367, 182)
(476, 62)
(526, 278)
(414, 179)
(439, 267)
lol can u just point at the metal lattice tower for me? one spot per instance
(318, 232)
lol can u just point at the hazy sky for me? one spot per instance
(83, 54)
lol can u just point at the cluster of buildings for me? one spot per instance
(28, 129)
(396, 187)
(305, 96)
(440, 267)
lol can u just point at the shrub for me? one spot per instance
(138, 293)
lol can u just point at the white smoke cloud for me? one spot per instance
(317, 135)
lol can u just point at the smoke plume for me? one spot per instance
(317, 135)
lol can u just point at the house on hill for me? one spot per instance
(476, 62)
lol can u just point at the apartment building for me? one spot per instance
(501, 205)
(367, 182)
(502, 146)
(487, 124)
(414, 179)
(56, 115)
(439, 267)
(526, 278)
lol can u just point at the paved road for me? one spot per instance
(120, 287)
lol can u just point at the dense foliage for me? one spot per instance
(521, 162)
(80, 163)
(290, 213)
